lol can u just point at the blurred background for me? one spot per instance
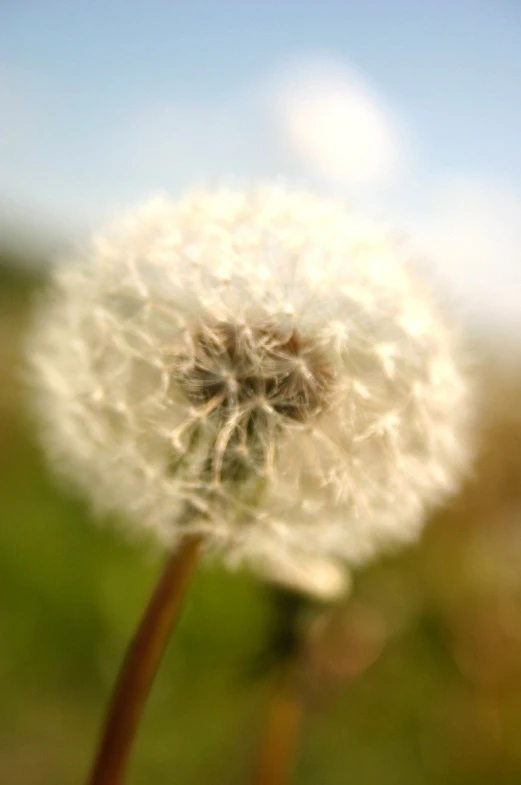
(408, 111)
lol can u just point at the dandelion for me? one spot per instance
(261, 372)
(262, 368)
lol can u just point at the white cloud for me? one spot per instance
(336, 124)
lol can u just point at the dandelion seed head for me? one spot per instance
(265, 358)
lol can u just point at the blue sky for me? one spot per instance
(102, 103)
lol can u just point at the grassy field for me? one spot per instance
(441, 704)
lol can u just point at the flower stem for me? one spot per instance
(279, 743)
(141, 663)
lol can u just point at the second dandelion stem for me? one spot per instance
(277, 753)
(279, 741)
(141, 664)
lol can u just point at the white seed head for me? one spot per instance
(265, 359)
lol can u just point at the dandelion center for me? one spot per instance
(252, 381)
(280, 372)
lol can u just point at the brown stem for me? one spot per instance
(141, 663)
(279, 743)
